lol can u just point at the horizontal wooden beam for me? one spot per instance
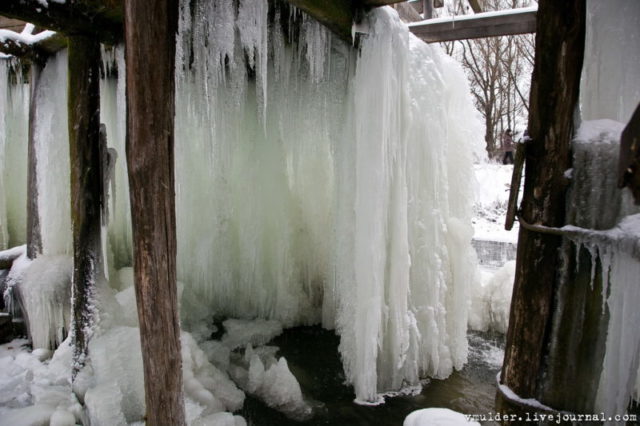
(98, 18)
(490, 24)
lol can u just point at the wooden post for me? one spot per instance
(150, 30)
(427, 6)
(86, 186)
(34, 239)
(554, 97)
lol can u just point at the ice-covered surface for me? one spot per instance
(244, 332)
(46, 294)
(604, 220)
(473, 16)
(14, 105)
(52, 156)
(610, 86)
(325, 187)
(491, 299)
(437, 417)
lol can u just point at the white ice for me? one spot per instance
(437, 417)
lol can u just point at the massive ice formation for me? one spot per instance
(314, 183)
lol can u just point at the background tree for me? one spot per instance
(499, 71)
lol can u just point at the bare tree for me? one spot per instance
(499, 72)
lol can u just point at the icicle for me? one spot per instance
(52, 152)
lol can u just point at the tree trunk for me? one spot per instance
(554, 97)
(150, 29)
(34, 239)
(86, 186)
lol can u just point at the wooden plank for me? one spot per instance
(554, 96)
(629, 163)
(475, 26)
(34, 238)
(150, 43)
(86, 186)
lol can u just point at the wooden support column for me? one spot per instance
(34, 239)
(150, 30)
(86, 186)
(427, 6)
(554, 96)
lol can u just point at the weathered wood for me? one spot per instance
(629, 163)
(338, 15)
(514, 190)
(34, 238)
(476, 5)
(37, 52)
(554, 97)
(475, 26)
(86, 185)
(98, 18)
(150, 29)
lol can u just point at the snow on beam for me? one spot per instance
(101, 19)
(31, 46)
(489, 24)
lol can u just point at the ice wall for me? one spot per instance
(14, 109)
(318, 184)
(52, 154)
(611, 75)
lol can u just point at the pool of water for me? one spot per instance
(312, 354)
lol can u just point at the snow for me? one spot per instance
(437, 417)
(527, 402)
(454, 19)
(26, 36)
(492, 185)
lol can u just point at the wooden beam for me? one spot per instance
(150, 43)
(37, 52)
(34, 238)
(554, 98)
(97, 18)
(338, 15)
(629, 163)
(476, 26)
(86, 186)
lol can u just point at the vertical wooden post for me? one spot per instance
(34, 239)
(554, 97)
(150, 29)
(86, 185)
(427, 8)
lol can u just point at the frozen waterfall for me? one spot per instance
(315, 183)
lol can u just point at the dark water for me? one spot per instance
(312, 355)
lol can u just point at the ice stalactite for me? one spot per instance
(112, 112)
(314, 183)
(14, 97)
(610, 86)
(613, 242)
(307, 193)
(52, 152)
